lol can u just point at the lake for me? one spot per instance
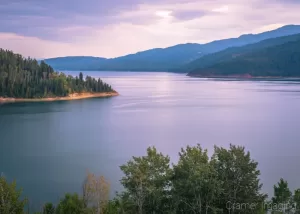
(48, 147)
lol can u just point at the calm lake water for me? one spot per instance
(48, 147)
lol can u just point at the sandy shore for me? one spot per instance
(75, 96)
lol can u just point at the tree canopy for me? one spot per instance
(10, 198)
(225, 183)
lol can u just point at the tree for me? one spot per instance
(124, 203)
(81, 77)
(10, 201)
(71, 204)
(147, 180)
(238, 175)
(282, 197)
(121, 204)
(195, 184)
(296, 200)
(49, 208)
(96, 192)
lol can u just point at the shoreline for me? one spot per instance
(74, 96)
(244, 77)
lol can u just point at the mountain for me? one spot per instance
(75, 62)
(166, 59)
(276, 61)
(157, 59)
(234, 52)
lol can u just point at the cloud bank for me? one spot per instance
(111, 28)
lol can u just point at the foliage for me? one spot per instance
(26, 78)
(71, 204)
(282, 200)
(10, 198)
(227, 182)
(121, 204)
(49, 208)
(239, 178)
(96, 193)
(147, 180)
(296, 200)
(195, 184)
(282, 193)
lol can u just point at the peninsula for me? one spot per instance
(27, 80)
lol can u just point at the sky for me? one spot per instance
(112, 28)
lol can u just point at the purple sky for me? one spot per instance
(111, 28)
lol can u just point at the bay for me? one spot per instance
(48, 147)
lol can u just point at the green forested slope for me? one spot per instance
(278, 61)
(26, 78)
(234, 52)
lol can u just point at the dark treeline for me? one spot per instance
(227, 182)
(26, 78)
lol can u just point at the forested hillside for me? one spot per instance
(276, 61)
(26, 78)
(234, 52)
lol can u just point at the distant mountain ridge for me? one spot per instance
(165, 59)
(74, 62)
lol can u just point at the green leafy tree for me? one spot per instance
(195, 184)
(147, 180)
(239, 178)
(49, 208)
(71, 204)
(10, 198)
(282, 200)
(122, 204)
(296, 200)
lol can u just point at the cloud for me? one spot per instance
(163, 13)
(223, 9)
(32, 46)
(111, 28)
(189, 14)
